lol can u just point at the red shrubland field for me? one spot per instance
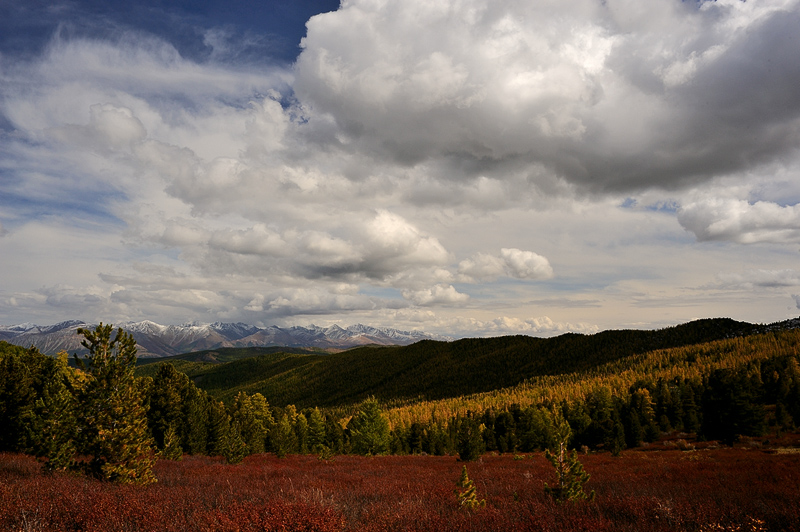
(726, 489)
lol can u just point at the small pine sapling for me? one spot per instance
(569, 471)
(172, 445)
(324, 453)
(466, 493)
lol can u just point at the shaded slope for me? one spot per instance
(437, 370)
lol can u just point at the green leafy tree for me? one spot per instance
(111, 418)
(369, 429)
(570, 476)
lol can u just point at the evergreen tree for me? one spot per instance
(634, 432)
(570, 476)
(466, 493)
(731, 407)
(505, 432)
(172, 449)
(249, 423)
(284, 439)
(22, 376)
(489, 440)
(605, 429)
(641, 406)
(219, 429)
(195, 421)
(168, 393)
(615, 441)
(790, 389)
(577, 416)
(235, 447)
(664, 407)
(334, 435)
(52, 424)
(316, 431)
(535, 429)
(689, 408)
(470, 441)
(415, 437)
(437, 440)
(112, 420)
(301, 431)
(263, 415)
(369, 429)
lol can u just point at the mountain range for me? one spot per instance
(154, 340)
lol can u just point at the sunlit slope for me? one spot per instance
(430, 370)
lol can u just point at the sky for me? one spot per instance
(461, 167)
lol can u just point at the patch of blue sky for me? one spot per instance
(669, 207)
(200, 30)
(380, 292)
(666, 206)
(20, 202)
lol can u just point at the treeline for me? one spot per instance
(102, 419)
(722, 405)
(691, 363)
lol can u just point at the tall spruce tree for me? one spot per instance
(316, 431)
(21, 383)
(249, 423)
(470, 442)
(284, 439)
(219, 429)
(369, 429)
(167, 396)
(112, 419)
(731, 407)
(52, 426)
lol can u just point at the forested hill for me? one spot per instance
(430, 369)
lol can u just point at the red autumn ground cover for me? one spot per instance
(718, 489)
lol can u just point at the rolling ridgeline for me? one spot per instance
(427, 370)
(712, 379)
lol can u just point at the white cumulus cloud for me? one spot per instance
(737, 220)
(436, 295)
(511, 262)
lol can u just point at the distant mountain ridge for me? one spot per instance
(155, 340)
